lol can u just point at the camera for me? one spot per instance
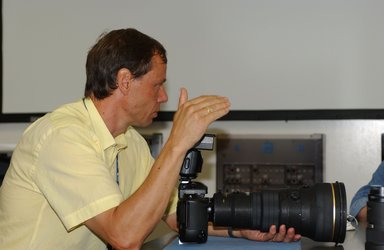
(317, 212)
(375, 218)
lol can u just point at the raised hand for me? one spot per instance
(194, 116)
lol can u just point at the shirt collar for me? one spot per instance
(101, 129)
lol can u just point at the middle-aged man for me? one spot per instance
(82, 177)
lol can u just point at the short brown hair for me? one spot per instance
(123, 48)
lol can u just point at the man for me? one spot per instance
(358, 207)
(82, 177)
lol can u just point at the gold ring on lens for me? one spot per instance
(334, 211)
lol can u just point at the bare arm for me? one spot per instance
(362, 215)
(127, 225)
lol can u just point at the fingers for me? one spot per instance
(183, 98)
(296, 236)
(280, 236)
(285, 235)
(271, 234)
(210, 108)
(258, 235)
(215, 110)
(193, 117)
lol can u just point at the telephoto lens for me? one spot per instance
(317, 212)
(375, 217)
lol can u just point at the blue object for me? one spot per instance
(267, 147)
(360, 199)
(224, 243)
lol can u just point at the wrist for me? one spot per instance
(231, 233)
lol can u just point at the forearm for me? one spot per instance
(362, 215)
(150, 201)
(132, 221)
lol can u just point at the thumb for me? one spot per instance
(183, 98)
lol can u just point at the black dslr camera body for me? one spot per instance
(318, 212)
(193, 207)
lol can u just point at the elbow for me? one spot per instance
(125, 239)
(126, 243)
(118, 235)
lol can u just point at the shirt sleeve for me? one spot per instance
(360, 199)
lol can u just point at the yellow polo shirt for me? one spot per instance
(63, 172)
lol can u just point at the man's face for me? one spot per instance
(147, 93)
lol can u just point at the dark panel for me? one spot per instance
(249, 164)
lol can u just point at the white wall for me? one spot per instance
(263, 54)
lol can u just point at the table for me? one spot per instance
(354, 240)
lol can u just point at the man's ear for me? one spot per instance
(123, 80)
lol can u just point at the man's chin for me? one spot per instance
(145, 123)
